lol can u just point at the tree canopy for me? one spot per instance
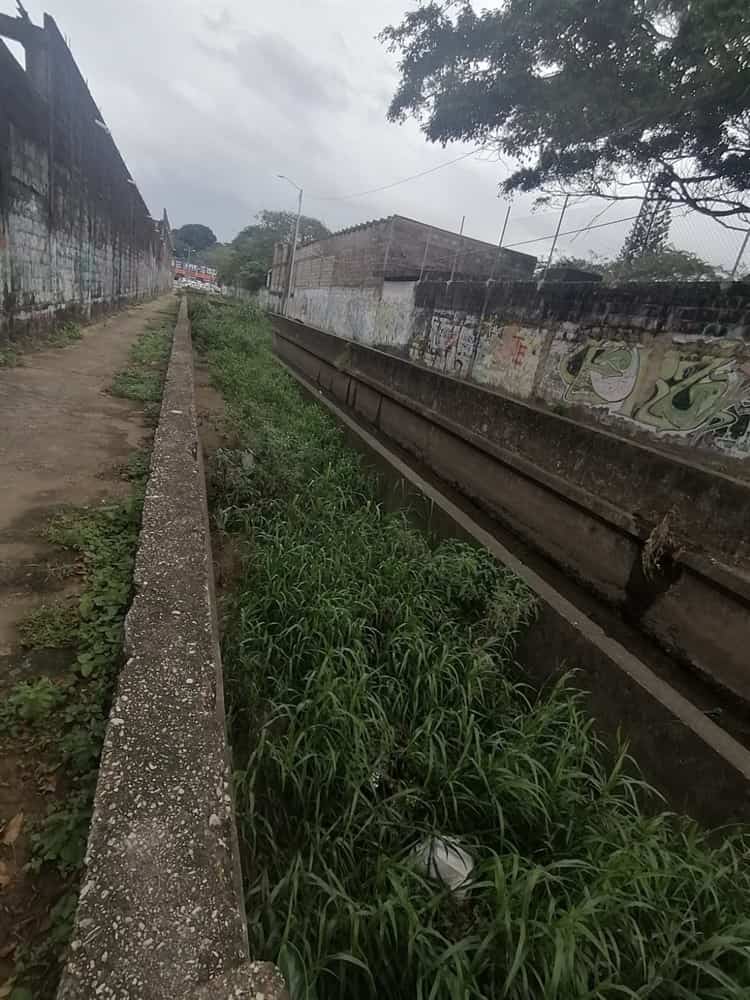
(251, 251)
(192, 236)
(665, 264)
(589, 95)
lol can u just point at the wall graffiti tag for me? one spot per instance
(600, 374)
(729, 429)
(450, 344)
(704, 398)
(687, 393)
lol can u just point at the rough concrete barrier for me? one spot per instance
(699, 767)
(592, 503)
(161, 913)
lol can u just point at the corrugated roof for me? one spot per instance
(351, 229)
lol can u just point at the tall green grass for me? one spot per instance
(374, 702)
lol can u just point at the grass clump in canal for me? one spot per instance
(374, 704)
(143, 379)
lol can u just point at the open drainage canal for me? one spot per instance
(414, 820)
(690, 736)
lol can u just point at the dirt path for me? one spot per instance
(63, 442)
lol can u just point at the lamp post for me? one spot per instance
(283, 177)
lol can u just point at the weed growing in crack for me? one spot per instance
(143, 379)
(373, 703)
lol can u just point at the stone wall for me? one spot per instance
(666, 364)
(76, 238)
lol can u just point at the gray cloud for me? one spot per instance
(210, 100)
(270, 66)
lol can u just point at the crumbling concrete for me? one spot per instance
(161, 909)
(251, 981)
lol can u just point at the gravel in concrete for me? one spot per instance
(161, 910)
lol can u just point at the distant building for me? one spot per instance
(392, 249)
(196, 272)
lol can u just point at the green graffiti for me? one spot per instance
(687, 394)
(601, 373)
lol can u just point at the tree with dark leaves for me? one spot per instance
(251, 251)
(193, 236)
(590, 95)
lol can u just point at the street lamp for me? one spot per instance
(283, 177)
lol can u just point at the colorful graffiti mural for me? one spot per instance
(704, 397)
(687, 393)
(600, 374)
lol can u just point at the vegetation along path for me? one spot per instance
(378, 719)
(76, 418)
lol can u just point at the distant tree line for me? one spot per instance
(647, 254)
(244, 261)
(666, 264)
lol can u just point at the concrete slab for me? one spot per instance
(161, 909)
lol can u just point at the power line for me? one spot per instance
(570, 232)
(404, 180)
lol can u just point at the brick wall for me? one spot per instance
(76, 238)
(351, 259)
(391, 249)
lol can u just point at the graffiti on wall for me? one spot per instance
(704, 398)
(600, 374)
(708, 398)
(450, 344)
(508, 358)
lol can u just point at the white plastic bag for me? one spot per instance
(446, 862)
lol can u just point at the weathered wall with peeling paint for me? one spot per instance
(663, 539)
(669, 365)
(76, 238)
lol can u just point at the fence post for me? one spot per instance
(740, 255)
(458, 248)
(557, 233)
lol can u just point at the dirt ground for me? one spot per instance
(63, 441)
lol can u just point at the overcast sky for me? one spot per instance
(209, 101)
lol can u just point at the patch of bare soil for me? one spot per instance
(65, 441)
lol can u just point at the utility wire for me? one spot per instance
(593, 219)
(404, 180)
(570, 232)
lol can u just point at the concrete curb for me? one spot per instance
(161, 911)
